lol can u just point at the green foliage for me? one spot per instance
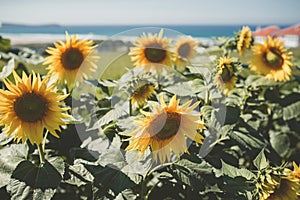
(260, 162)
(36, 182)
(251, 131)
(4, 44)
(10, 157)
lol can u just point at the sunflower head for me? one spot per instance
(141, 93)
(273, 183)
(271, 59)
(244, 40)
(226, 77)
(184, 50)
(296, 172)
(29, 106)
(151, 52)
(165, 128)
(71, 61)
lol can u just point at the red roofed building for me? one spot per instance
(292, 30)
(262, 32)
(290, 35)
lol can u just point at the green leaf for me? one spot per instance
(83, 153)
(260, 162)
(112, 115)
(127, 194)
(36, 182)
(10, 157)
(86, 88)
(232, 114)
(259, 81)
(233, 172)
(5, 139)
(289, 87)
(280, 142)
(206, 111)
(4, 44)
(108, 83)
(192, 173)
(20, 191)
(205, 72)
(291, 111)
(247, 140)
(189, 88)
(7, 69)
(109, 178)
(142, 165)
(79, 175)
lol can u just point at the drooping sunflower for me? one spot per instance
(152, 52)
(29, 106)
(279, 186)
(244, 40)
(185, 49)
(271, 59)
(296, 172)
(71, 61)
(141, 93)
(164, 129)
(226, 77)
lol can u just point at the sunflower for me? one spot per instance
(271, 60)
(71, 61)
(141, 93)
(185, 49)
(279, 186)
(29, 106)
(244, 40)
(285, 190)
(296, 172)
(165, 129)
(151, 52)
(225, 77)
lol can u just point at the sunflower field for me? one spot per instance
(164, 118)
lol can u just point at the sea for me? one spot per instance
(30, 33)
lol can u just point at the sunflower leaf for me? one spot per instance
(291, 111)
(192, 173)
(260, 162)
(29, 181)
(233, 172)
(111, 115)
(79, 175)
(184, 88)
(10, 157)
(109, 178)
(280, 142)
(247, 140)
(259, 81)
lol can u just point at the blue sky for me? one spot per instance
(112, 12)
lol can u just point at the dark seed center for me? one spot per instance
(273, 58)
(72, 58)
(227, 73)
(155, 53)
(30, 107)
(142, 90)
(184, 50)
(166, 125)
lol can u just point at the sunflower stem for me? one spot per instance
(157, 167)
(207, 97)
(41, 153)
(45, 138)
(130, 107)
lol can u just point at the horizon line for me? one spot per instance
(149, 24)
